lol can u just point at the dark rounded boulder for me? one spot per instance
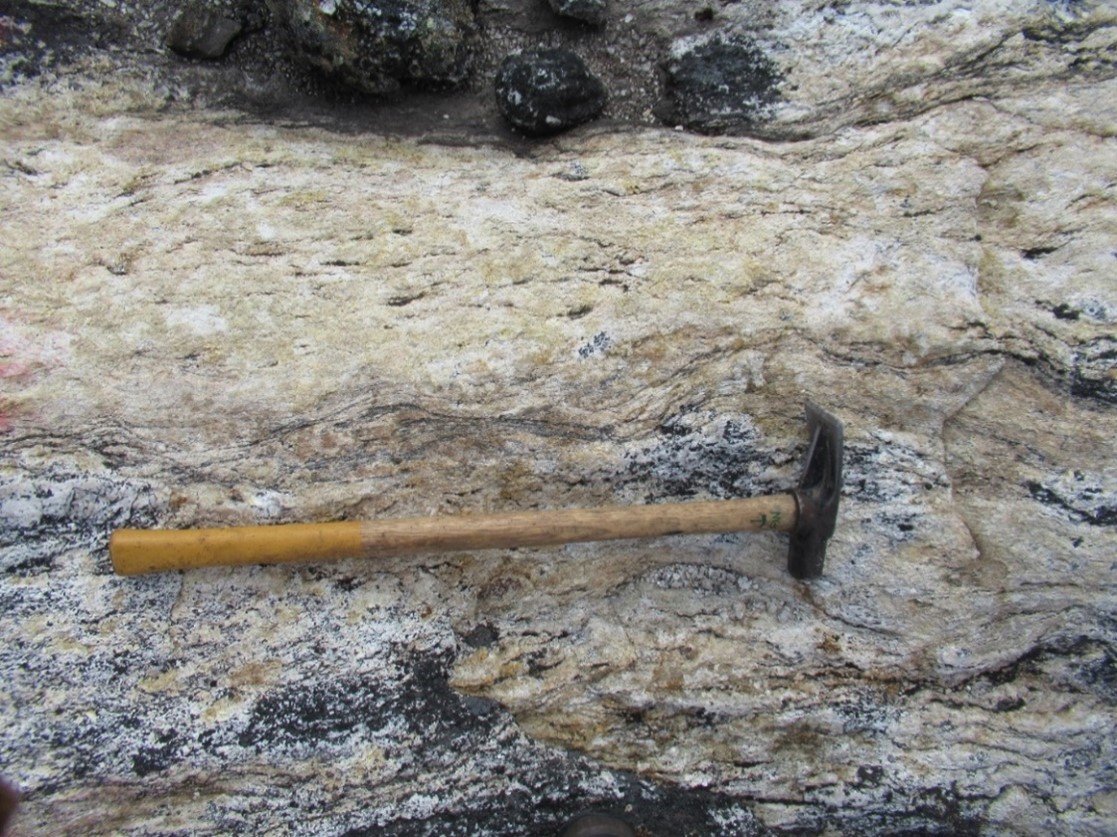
(593, 12)
(720, 84)
(206, 28)
(545, 91)
(377, 45)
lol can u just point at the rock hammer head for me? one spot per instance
(817, 495)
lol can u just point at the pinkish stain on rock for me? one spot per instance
(11, 369)
(25, 355)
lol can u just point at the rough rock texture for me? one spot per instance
(376, 46)
(718, 84)
(211, 317)
(545, 91)
(201, 31)
(593, 12)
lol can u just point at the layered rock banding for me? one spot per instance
(216, 316)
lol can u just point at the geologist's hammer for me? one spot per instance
(808, 513)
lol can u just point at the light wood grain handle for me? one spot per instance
(136, 551)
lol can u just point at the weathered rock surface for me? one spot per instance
(210, 318)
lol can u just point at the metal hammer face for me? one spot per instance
(817, 495)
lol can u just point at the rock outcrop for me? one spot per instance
(214, 317)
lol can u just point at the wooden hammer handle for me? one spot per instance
(136, 551)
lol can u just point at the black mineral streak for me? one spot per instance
(686, 461)
(1033, 253)
(320, 714)
(46, 513)
(158, 756)
(1092, 374)
(1075, 664)
(593, 12)
(1081, 508)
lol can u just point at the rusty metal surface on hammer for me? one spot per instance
(808, 514)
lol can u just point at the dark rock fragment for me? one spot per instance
(588, 11)
(202, 31)
(544, 91)
(377, 46)
(719, 84)
(36, 36)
